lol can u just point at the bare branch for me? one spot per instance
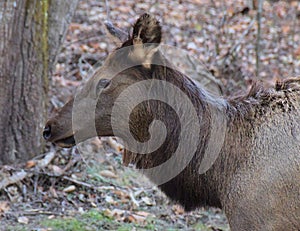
(258, 18)
(107, 10)
(234, 47)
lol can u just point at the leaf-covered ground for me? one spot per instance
(87, 188)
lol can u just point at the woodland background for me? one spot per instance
(86, 187)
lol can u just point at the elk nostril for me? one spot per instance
(47, 132)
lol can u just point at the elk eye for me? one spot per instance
(103, 83)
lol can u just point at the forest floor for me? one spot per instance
(86, 187)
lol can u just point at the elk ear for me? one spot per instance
(146, 37)
(117, 34)
(146, 30)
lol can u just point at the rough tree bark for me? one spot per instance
(31, 32)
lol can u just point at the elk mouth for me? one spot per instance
(67, 142)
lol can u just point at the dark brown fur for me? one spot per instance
(255, 178)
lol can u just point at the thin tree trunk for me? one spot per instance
(31, 32)
(258, 36)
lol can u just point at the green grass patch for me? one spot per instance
(16, 228)
(92, 221)
(66, 224)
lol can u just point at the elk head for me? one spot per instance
(88, 114)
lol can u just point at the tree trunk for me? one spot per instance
(31, 32)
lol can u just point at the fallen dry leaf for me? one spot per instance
(57, 170)
(147, 201)
(108, 213)
(23, 220)
(4, 206)
(139, 219)
(30, 164)
(75, 26)
(108, 174)
(116, 213)
(115, 145)
(297, 52)
(143, 213)
(69, 189)
(51, 217)
(130, 219)
(286, 29)
(121, 194)
(177, 209)
(53, 192)
(109, 200)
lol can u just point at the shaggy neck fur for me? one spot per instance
(190, 188)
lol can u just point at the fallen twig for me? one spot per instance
(72, 162)
(32, 213)
(21, 174)
(84, 184)
(15, 178)
(46, 160)
(135, 202)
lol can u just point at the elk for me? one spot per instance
(246, 160)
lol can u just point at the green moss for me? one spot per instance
(39, 10)
(202, 227)
(43, 19)
(45, 45)
(93, 220)
(16, 228)
(69, 224)
(94, 215)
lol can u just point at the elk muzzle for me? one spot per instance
(55, 134)
(47, 132)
